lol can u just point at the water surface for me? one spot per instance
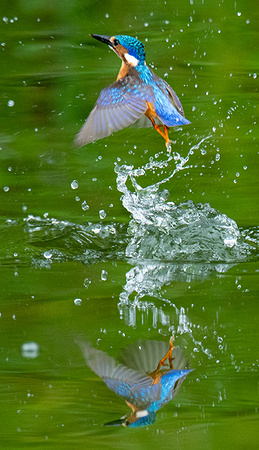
(120, 240)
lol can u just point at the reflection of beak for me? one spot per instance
(115, 423)
(102, 38)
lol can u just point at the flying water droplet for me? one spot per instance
(30, 350)
(104, 275)
(102, 214)
(74, 184)
(78, 301)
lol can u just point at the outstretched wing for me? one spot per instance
(100, 363)
(144, 356)
(134, 387)
(118, 106)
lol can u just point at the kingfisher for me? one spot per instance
(137, 93)
(143, 383)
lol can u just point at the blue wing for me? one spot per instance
(144, 356)
(167, 113)
(165, 102)
(128, 383)
(118, 106)
(132, 385)
(168, 106)
(140, 390)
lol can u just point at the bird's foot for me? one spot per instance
(163, 130)
(168, 355)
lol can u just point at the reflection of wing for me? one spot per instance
(124, 381)
(133, 385)
(140, 392)
(144, 356)
(118, 106)
(175, 378)
(100, 363)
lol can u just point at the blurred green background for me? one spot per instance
(64, 268)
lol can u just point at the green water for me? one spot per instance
(69, 270)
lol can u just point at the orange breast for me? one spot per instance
(150, 112)
(123, 71)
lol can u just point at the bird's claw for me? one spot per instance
(168, 355)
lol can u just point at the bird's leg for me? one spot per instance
(168, 355)
(164, 132)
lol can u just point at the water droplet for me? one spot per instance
(74, 184)
(87, 283)
(78, 301)
(102, 214)
(230, 242)
(30, 350)
(104, 275)
(84, 206)
(96, 229)
(47, 254)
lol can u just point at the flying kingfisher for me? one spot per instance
(137, 92)
(145, 384)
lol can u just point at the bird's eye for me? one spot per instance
(116, 42)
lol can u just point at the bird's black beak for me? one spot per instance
(115, 423)
(102, 38)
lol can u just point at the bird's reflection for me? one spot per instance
(147, 375)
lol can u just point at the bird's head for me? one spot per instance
(128, 48)
(136, 419)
